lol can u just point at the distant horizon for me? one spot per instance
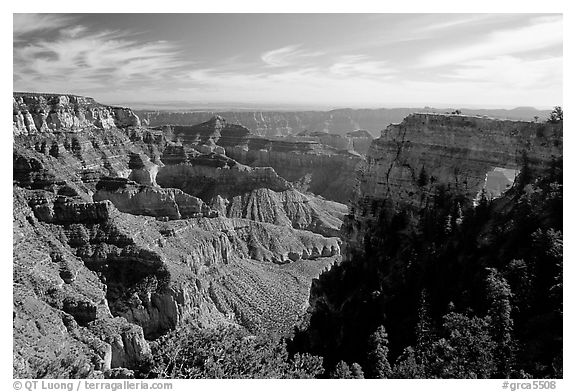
(294, 60)
(299, 107)
(180, 106)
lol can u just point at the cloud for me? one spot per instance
(544, 33)
(73, 31)
(80, 60)
(361, 65)
(287, 55)
(511, 71)
(24, 24)
(358, 80)
(456, 21)
(117, 65)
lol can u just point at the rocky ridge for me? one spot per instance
(310, 164)
(35, 113)
(355, 141)
(338, 121)
(407, 164)
(118, 237)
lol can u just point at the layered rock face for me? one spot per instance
(273, 123)
(62, 323)
(339, 121)
(287, 208)
(207, 176)
(35, 113)
(412, 159)
(214, 131)
(308, 165)
(133, 198)
(120, 234)
(73, 162)
(358, 141)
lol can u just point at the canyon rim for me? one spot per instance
(187, 207)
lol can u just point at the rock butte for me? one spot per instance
(325, 166)
(454, 150)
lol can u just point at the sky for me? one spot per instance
(289, 60)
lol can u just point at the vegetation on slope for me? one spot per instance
(226, 352)
(443, 294)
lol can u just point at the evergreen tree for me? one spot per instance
(407, 366)
(342, 370)
(424, 332)
(356, 370)
(379, 367)
(422, 178)
(499, 296)
(557, 115)
(465, 350)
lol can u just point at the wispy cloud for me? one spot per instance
(30, 23)
(83, 60)
(361, 65)
(317, 85)
(469, 59)
(544, 33)
(455, 21)
(288, 55)
(511, 71)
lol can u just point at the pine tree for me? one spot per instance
(342, 370)
(379, 367)
(499, 295)
(407, 366)
(557, 115)
(422, 178)
(356, 370)
(424, 333)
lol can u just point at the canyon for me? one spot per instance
(121, 233)
(423, 238)
(337, 121)
(311, 164)
(127, 225)
(412, 159)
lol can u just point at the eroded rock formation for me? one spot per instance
(338, 121)
(412, 159)
(35, 113)
(357, 141)
(133, 198)
(286, 208)
(308, 165)
(118, 238)
(323, 165)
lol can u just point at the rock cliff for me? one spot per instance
(320, 165)
(407, 164)
(338, 121)
(290, 207)
(35, 113)
(206, 176)
(118, 238)
(133, 198)
(308, 165)
(358, 141)
(417, 249)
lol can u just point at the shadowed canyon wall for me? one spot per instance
(411, 159)
(309, 163)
